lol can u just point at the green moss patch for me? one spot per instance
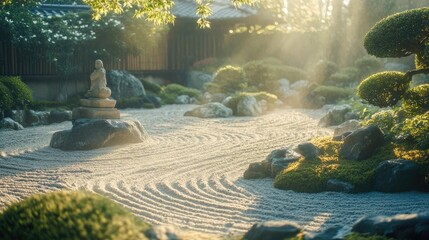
(170, 92)
(312, 176)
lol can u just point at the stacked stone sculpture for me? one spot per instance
(97, 105)
(97, 123)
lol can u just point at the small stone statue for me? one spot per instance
(99, 87)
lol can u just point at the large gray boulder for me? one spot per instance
(8, 123)
(248, 106)
(336, 185)
(347, 126)
(89, 134)
(335, 116)
(273, 230)
(257, 170)
(307, 150)
(36, 118)
(280, 159)
(57, 116)
(210, 110)
(17, 116)
(401, 226)
(398, 175)
(197, 79)
(362, 143)
(124, 85)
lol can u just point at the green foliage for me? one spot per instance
(385, 120)
(230, 79)
(170, 92)
(368, 65)
(384, 89)
(360, 236)
(6, 100)
(344, 77)
(48, 105)
(416, 100)
(264, 74)
(323, 70)
(209, 65)
(332, 94)
(270, 98)
(69, 215)
(422, 57)
(398, 35)
(418, 128)
(150, 86)
(21, 94)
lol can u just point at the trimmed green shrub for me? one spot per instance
(331, 94)
(416, 100)
(418, 128)
(398, 35)
(384, 89)
(230, 79)
(260, 74)
(344, 77)
(292, 74)
(323, 70)
(21, 94)
(150, 86)
(368, 64)
(385, 120)
(170, 92)
(69, 215)
(5, 97)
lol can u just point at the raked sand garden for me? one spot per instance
(189, 172)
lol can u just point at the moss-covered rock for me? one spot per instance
(69, 215)
(312, 176)
(170, 92)
(384, 89)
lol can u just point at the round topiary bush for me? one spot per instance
(323, 70)
(384, 89)
(259, 74)
(416, 100)
(21, 94)
(5, 97)
(230, 79)
(69, 215)
(398, 35)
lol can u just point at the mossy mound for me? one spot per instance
(312, 176)
(170, 92)
(69, 215)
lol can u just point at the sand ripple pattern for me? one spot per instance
(189, 172)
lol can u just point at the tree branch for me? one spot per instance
(411, 73)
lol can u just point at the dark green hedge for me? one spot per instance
(21, 94)
(69, 215)
(384, 89)
(6, 100)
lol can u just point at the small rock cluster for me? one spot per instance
(401, 226)
(278, 160)
(18, 119)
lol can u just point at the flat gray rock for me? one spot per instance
(88, 134)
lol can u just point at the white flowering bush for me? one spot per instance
(61, 36)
